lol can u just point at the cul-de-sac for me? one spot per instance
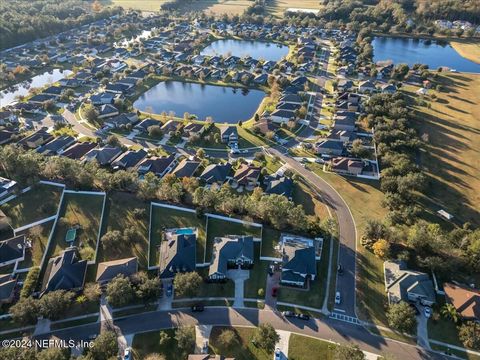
(239, 179)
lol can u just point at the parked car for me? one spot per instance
(338, 298)
(198, 308)
(274, 291)
(271, 270)
(278, 353)
(303, 316)
(288, 314)
(169, 290)
(340, 269)
(127, 355)
(427, 311)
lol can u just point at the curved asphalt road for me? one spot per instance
(223, 316)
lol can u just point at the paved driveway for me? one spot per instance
(272, 282)
(238, 276)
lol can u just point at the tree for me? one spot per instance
(54, 353)
(104, 347)
(30, 282)
(113, 140)
(164, 338)
(54, 304)
(200, 153)
(148, 289)
(469, 334)
(449, 311)
(349, 352)
(381, 248)
(92, 291)
(358, 150)
(401, 317)
(91, 114)
(155, 356)
(112, 240)
(155, 131)
(25, 311)
(119, 291)
(266, 337)
(187, 284)
(227, 338)
(185, 337)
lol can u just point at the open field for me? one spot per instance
(149, 342)
(165, 218)
(278, 7)
(451, 155)
(364, 199)
(306, 348)
(144, 5)
(468, 49)
(38, 235)
(242, 350)
(40, 202)
(80, 210)
(219, 227)
(119, 215)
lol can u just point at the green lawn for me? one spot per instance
(148, 343)
(306, 348)
(84, 210)
(38, 235)
(163, 217)
(40, 202)
(313, 297)
(270, 239)
(311, 203)
(220, 227)
(119, 215)
(444, 330)
(258, 276)
(78, 322)
(242, 350)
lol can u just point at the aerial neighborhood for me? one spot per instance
(180, 183)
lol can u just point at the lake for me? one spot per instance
(411, 51)
(223, 104)
(7, 96)
(256, 49)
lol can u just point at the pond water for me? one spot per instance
(410, 51)
(223, 104)
(9, 95)
(256, 49)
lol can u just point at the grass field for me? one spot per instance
(242, 350)
(364, 199)
(306, 348)
(38, 235)
(119, 215)
(170, 218)
(451, 155)
(148, 343)
(82, 210)
(468, 49)
(143, 5)
(258, 276)
(40, 202)
(219, 227)
(270, 239)
(216, 7)
(278, 7)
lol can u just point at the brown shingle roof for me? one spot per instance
(465, 300)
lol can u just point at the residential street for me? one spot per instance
(324, 329)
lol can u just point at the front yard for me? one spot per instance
(148, 343)
(242, 350)
(306, 348)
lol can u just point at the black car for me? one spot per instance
(198, 308)
(303, 316)
(340, 269)
(288, 313)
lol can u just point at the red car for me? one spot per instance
(274, 291)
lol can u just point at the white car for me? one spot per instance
(338, 298)
(127, 355)
(427, 311)
(278, 352)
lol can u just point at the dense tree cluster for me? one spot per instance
(122, 290)
(23, 21)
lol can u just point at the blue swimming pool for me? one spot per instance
(185, 231)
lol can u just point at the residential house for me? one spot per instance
(65, 272)
(280, 185)
(366, 86)
(193, 129)
(186, 168)
(329, 147)
(37, 139)
(344, 121)
(104, 156)
(102, 98)
(12, 251)
(228, 134)
(344, 85)
(41, 99)
(171, 127)
(56, 146)
(143, 125)
(8, 284)
(406, 285)
(53, 90)
(247, 175)
(465, 300)
(160, 166)
(108, 270)
(129, 159)
(78, 150)
(282, 116)
(265, 126)
(298, 261)
(106, 111)
(346, 166)
(388, 89)
(216, 173)
(177, 252)
(6, 136)
(231, 251)
(121, 120)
